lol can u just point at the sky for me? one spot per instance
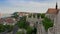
(37, 6)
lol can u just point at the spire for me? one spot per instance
(56, 6)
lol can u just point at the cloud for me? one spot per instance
(28, 6)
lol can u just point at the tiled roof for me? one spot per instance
(52, 11)
(9, 20)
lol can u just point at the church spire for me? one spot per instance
(56, 6)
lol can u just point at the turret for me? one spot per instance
(56, 6)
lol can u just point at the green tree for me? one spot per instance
(38, 15)
(47, 23)
(9, 27)
(42, 15)
(15, 15)
(29, 30)
(20, 32)
(22, 22)
(2, 28)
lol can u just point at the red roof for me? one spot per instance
(52, 11)
(9, 20)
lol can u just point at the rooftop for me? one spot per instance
(52, 11)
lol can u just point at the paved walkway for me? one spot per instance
(40, 28)
(15, 29)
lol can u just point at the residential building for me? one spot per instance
(10, 21)
(7, 20)
(23, 14)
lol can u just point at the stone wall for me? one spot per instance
(51, 30)
(57, 24)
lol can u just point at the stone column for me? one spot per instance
(27, 16)
(36, 15)
(32, 15)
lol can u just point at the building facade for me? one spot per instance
(54, 15)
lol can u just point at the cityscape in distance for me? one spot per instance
(29, 16)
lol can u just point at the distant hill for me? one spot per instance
(4, 15)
